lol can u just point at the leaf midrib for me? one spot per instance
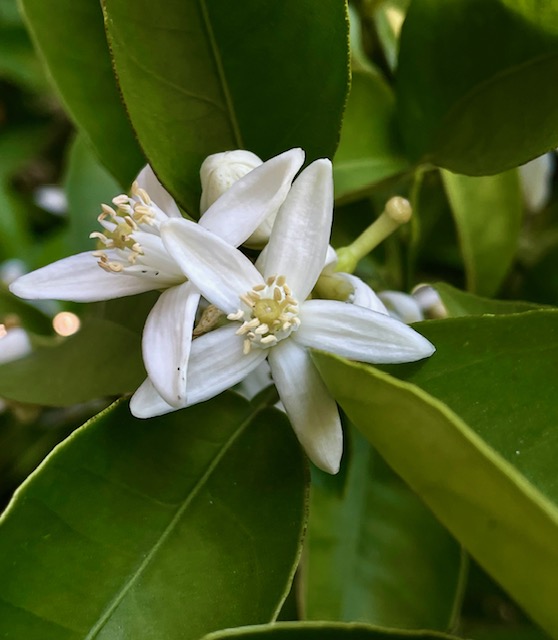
(221, 74)
(120, 595)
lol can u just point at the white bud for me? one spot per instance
(402, 306)
(221, 170)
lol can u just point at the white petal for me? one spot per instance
(167, 337)
(217, 362)
(363, 295)
(256, 381)
(148, 181)
(147, 403)
(358, 333)
(219, 271)
(330, 260)
(14, 344)
(402, 306)
(80, 279)
(311, 409)
(250, 200)
(299, 241)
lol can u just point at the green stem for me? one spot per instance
(397, 212)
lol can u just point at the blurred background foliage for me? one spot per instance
(51, 186)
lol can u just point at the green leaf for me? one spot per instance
(491, 479)
(101, 359)
(87, 185)
(488, 213)
(496, 633)
(323, 631)
(152, 529)
(474, 83)
(460, 303)
(198, 78)
(85, 79)
(369, 150)
(375, 553)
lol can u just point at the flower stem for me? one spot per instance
(397, 211)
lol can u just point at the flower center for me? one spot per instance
(132, 213)
(268, 312)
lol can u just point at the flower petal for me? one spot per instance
(219, 271)
(358, 333)
(80, 279)
(167, 337)
(299, 240)
(250, 200)
(363, 295)
(311, 409)
(147, 403)
(402, 306)
(217, 362)
(149, 182)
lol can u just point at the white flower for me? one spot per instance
(272, 318)
(133, 259)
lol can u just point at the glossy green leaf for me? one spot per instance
(152, 529)
(488, 213)
(474, 85)
(488, 470)
(323, 631)
(198, 78)
(460, 303)
(369, 150)
(102, 359)
(9, 14)
(85, 79)
(513, 633)
(375, 554)
(87, 185)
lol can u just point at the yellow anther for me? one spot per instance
(142, 193)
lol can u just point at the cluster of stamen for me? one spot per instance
(269, 313)
(119, 225)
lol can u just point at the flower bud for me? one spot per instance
(221, 170)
